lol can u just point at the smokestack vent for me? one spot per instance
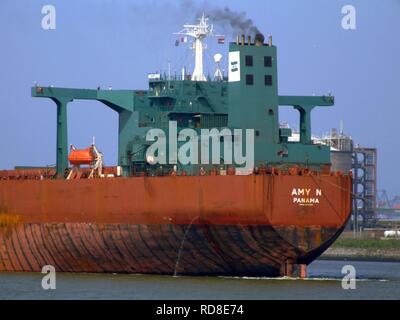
(259, 40)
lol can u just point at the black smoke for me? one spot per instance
(225, 19)
(232, 21)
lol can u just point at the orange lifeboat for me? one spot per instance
(79, 157)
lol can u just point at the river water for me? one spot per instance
(375, 280)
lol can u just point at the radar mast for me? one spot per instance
(199, 32)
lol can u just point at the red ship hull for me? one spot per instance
(254, 225)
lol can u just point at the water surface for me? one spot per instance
(375, 280)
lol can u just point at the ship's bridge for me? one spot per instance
(184, 95)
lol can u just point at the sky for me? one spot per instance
(118, 42)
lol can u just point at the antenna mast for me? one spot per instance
(199, 32)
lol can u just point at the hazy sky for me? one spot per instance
(116, 43)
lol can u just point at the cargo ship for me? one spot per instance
(180, 217)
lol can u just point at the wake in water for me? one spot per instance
(316, 278)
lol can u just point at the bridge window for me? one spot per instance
(249, 61)
(249, 79)
(267, 61)
(268, 80)
(213, 121)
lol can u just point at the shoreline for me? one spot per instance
(361, 254)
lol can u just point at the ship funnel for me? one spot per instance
(259, 40)
(242, 39)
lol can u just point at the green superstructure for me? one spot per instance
(247, 99)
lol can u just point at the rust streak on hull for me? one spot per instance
(214, 225)
(242, 262)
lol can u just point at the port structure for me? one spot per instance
(364, 186)
(384, 202)
(362, 161)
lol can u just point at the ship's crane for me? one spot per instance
(385, 202)
(383, 199)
